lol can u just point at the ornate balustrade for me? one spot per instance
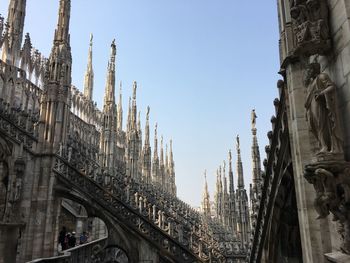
(182, 233)
(19, 125)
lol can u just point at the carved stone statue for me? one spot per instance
(321, 110)
(253, 116)
(331, 180)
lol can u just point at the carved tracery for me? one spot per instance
(5, 152)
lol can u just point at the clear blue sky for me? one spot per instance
(201, 65)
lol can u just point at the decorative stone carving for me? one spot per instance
(310, 25)
(331, 180)
(321, 111)
(19, 168)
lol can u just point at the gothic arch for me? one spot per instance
(118, 237)
(114, 254)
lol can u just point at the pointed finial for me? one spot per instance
(229, 156)
(120, 87)
(237, 142)
(205, 175)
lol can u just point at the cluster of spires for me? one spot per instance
(231, 206)
(116, 145)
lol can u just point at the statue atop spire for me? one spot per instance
(147, 114)
(255, 187)
(134, 87)
(91, 38)
(109, 98)
(253, 117)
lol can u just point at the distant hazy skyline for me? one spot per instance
(201, 66)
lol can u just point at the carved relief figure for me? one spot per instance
(321, 110)
(310, 23)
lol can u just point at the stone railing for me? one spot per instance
(82, 253)
(20, 126)
(82, 147)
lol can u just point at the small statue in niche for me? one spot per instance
(321, 110)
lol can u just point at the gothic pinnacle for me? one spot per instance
(60, 60)
(240, 183)
(155, 154)
(147, 142)
(14, 33)
(134, 107)
(120, 109)
(230, 173)
(161, 160)
(62, 31)
(206, 197)
(110, 82)
(89, 75)
(224, 177)
(256, 180)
